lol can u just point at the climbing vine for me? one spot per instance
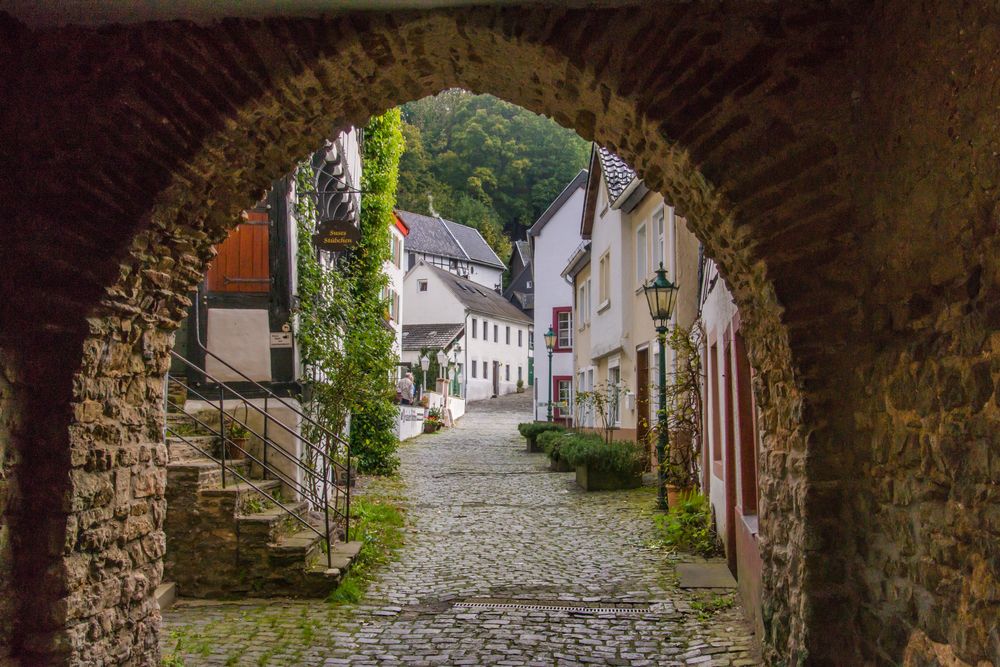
(342, 337)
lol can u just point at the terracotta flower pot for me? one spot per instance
(236, 447)
(675, 494)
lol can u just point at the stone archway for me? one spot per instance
(785, 136)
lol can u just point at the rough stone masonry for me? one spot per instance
(837, 159)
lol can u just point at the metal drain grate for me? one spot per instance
(575, 608)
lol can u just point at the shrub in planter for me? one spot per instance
(550, 443)
(531, 431)
(604, 466)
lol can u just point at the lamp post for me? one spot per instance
(442, 359)
(455, 356)
(660, 295)
(550, 342)
(425, 363)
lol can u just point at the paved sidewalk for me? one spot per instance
(488, 525)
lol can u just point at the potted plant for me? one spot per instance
(237, 437)
(531, 431)
(520, 386)
(434, 420)
(604, 466)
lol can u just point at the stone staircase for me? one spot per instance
(236, 540)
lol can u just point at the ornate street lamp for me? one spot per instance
(442, 359)
(425, 363)
(550, 342)
(661, 295)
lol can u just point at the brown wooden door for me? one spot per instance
(642, 422)
(242, 262)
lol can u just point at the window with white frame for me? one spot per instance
(473, 368)
(659, 239)
(587, 298)
(640, 254)
(508, 337)
(475, 327)
(421, 285)
(604, 278)
(520, 338)
(614, 395)
(564, 329)
(581, 299)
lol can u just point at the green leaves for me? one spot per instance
(342, 338)
(465, 148)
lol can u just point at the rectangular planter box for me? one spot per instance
(599, 480)
(533, 447)
(558, 465)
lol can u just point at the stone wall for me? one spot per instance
(7, 497)
(837, 160)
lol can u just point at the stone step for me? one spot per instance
(166, 594)
(300, 547)
(270, 525)
(187, 448)
(203, 474)
(236, 488)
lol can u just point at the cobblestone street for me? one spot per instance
(487, 524)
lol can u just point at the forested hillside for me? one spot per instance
(485, 163)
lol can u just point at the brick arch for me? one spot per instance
(747, 118)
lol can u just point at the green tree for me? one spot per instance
(341, 332)
(486, 163)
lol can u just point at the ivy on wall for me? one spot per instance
(341, 331)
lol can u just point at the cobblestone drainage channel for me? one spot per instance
(515, 604)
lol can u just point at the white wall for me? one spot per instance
(606, 334)
(486, 276)
(551, 249)
(410, 421)
(396, 275)
(478, 349)
(717, 314)
(438, 305)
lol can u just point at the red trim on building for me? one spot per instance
(556, 379)
(401, 226)
(555, 327)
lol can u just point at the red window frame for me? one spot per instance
(556, 379)
(555, 327)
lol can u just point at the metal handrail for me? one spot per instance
(247, 403)
(305, 491)
(325, 537)
(316, 491)
(263, 438)
(256, 385)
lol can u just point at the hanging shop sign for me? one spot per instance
(336, 235)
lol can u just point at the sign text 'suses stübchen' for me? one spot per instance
(336, 235)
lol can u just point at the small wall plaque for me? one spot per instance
(281, 339)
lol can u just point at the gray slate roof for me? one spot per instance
(480, 299)
(432, 336)
(437, 236)
(617, 174)
(523, 248)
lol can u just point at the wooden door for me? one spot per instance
(642, 422)
(242, 262)
(496, 378)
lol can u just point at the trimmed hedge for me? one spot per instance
(622, 457)
(551, 441)
(533, 429)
